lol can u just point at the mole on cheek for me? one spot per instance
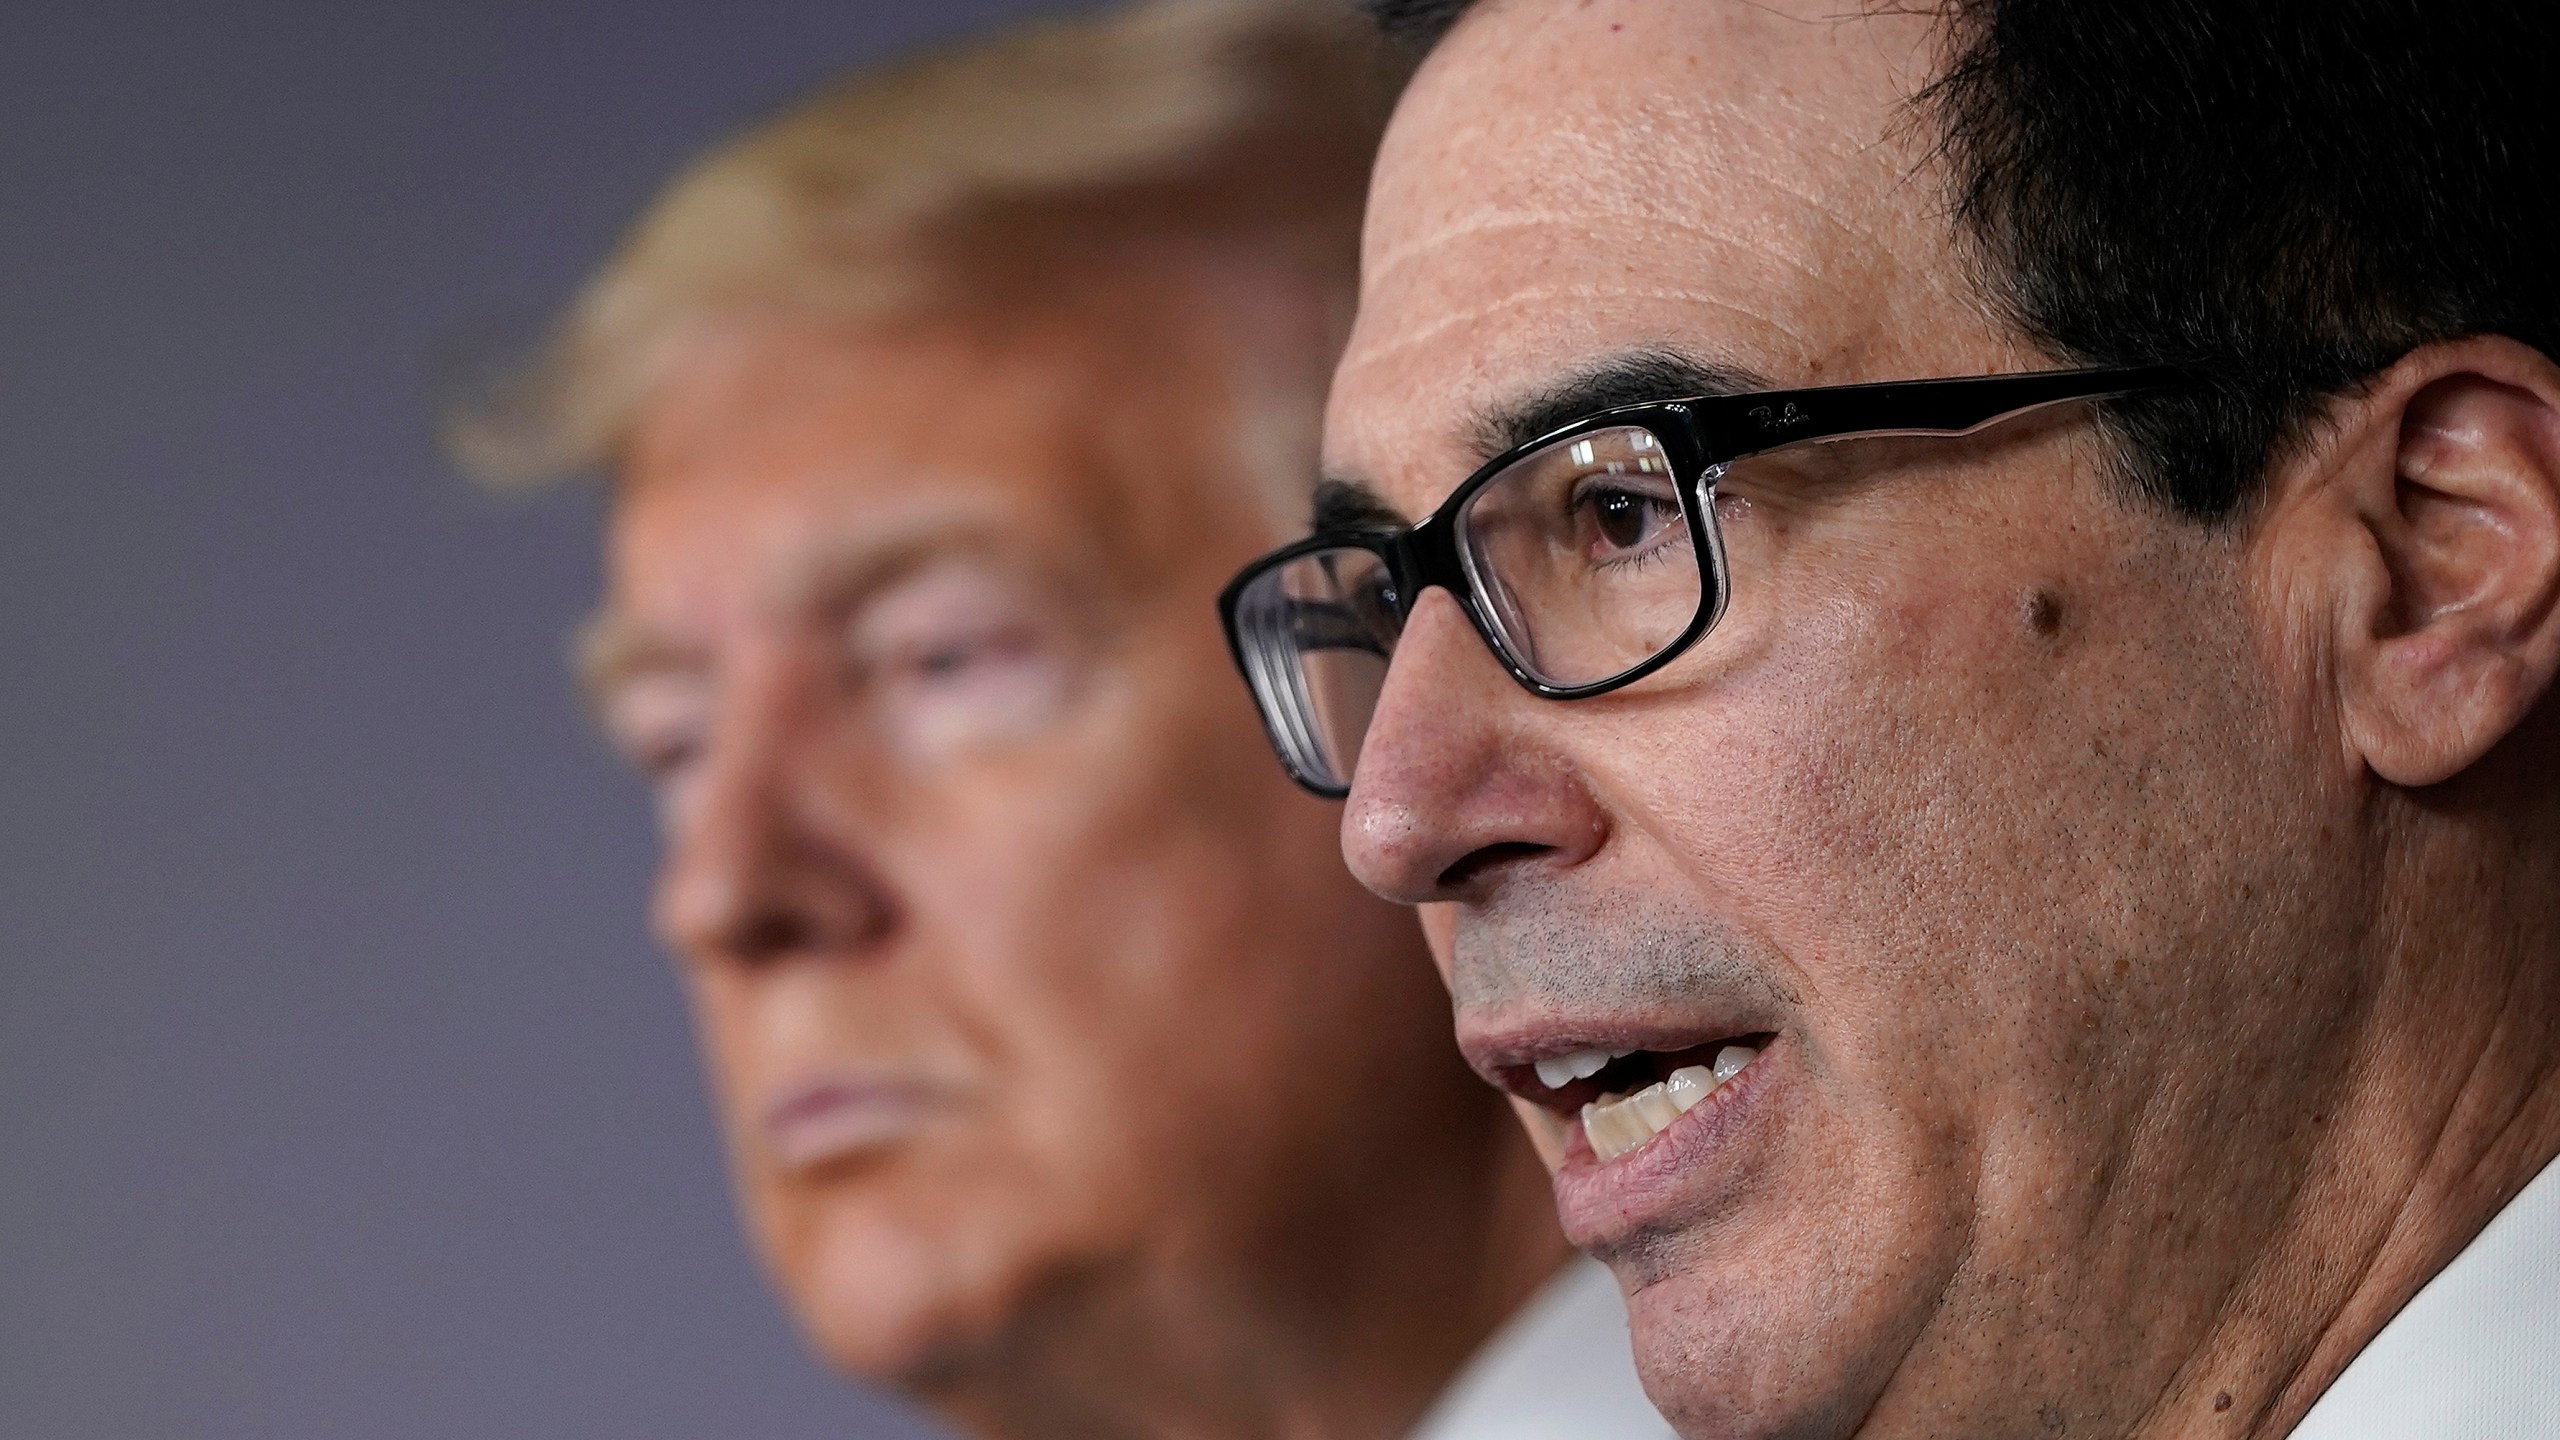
(2043, 613)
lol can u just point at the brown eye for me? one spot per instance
(1621, 518)
(1623, 521)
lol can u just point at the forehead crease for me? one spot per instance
(1672, 239)
(1586, 148)
(1745, 242)
(1550, 332)
(1759, 124)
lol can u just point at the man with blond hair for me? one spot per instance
(1070, 1084)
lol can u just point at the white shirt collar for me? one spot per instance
(2475, 1355)
(1561, 1369)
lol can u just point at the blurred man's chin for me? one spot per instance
(914, 1292)
(911, 1349)
(880, 1297)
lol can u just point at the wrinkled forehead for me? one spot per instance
(1743, 182)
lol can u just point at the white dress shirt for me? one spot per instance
(1561, 1369)
(2473, 1356)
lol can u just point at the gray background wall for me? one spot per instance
(341, 1092)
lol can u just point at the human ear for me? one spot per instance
(2448, 621)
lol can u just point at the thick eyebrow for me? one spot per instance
(613, 647)
(1634, 377)
(1352, 505)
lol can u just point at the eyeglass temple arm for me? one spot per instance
(1752, 423)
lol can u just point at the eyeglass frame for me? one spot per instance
(1700, 436)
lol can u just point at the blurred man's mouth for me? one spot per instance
(828, 1121)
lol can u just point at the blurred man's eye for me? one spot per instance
(962, 658)
(958, 655)
(661, 725)
(658, 724)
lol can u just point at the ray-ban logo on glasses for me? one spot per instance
(1778, 419)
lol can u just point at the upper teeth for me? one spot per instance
(1559, 1071)
(1616, 1124)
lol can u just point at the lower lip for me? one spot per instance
(1679, 1171)
(825, 1124)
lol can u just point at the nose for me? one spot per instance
(766, 855)
(1458, 788)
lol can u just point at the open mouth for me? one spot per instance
(1624, 1098)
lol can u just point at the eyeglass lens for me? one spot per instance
(1582, 561)
(1315, 634)
(1581, 556)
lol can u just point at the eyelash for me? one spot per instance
(943, 660)
(950, 657)
(1651, 554)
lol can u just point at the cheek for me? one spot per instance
(733, 1032)
(1910, 797)
(1440, 932)
(1073, 918)
(1171, 944)
(726, 1034)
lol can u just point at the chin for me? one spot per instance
(921, 1288)
(879, 1297)
(1756, 1358)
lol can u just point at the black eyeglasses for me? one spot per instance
(1587, 559)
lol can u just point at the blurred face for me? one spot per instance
(1024, 981)
(1976, 841)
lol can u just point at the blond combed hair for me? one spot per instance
(975, 176)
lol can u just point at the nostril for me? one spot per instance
(768, 935)
(1472, 866)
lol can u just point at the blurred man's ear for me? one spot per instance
(2437, 509)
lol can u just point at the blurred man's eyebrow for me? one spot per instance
(610, 648)
(613, 646)
(1636, 377)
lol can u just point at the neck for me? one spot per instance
(2454, 1107)
(1343, 1323)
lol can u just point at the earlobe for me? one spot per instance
(2449, 634)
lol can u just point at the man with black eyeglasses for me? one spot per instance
(1952, 617)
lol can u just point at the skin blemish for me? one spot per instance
(2043, 611)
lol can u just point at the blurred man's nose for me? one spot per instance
(1453, 793)
(772, 856)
